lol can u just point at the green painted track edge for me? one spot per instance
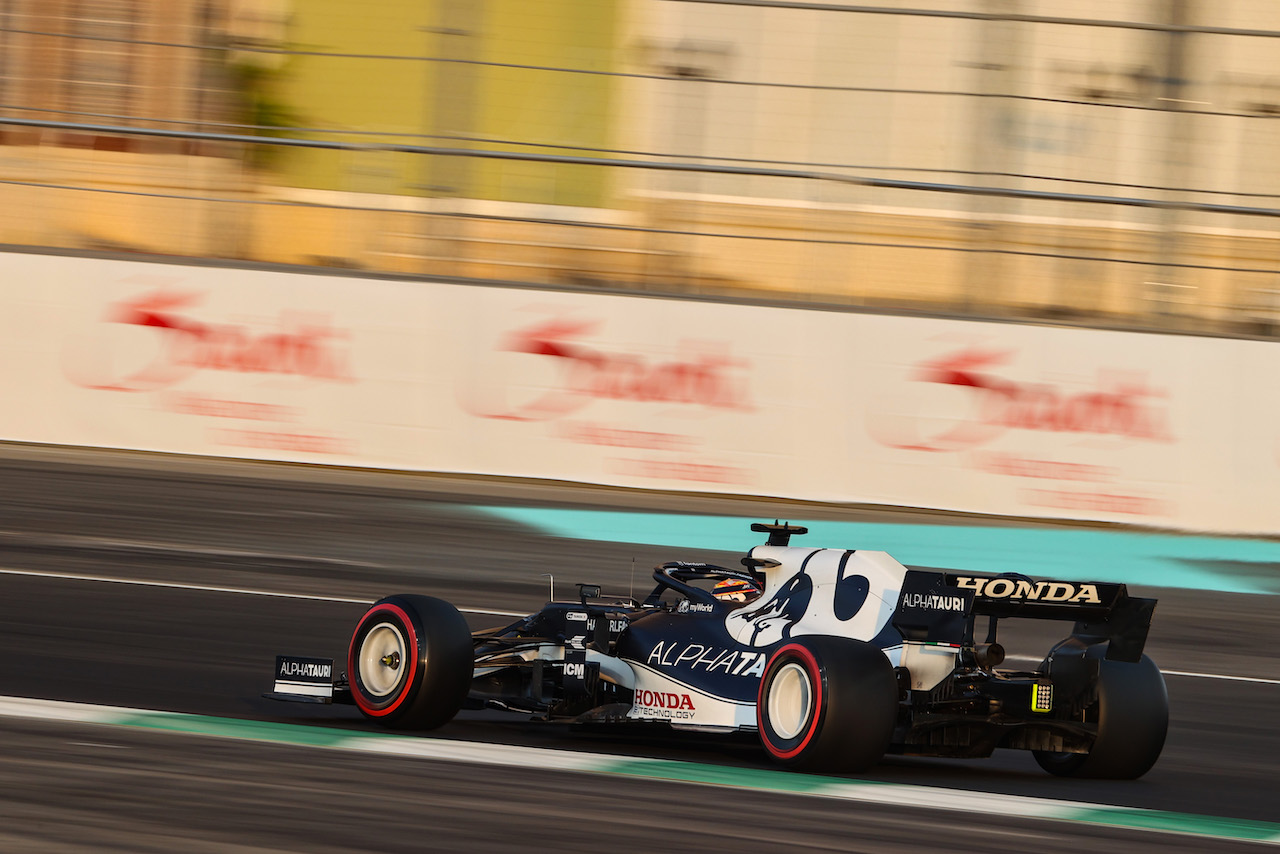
(757, 779)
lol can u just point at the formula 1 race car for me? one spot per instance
(845, 655)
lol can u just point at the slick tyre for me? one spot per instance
(410, 662)
(1133, 717)
(827, 704)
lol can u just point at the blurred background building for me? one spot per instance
(1108, 163)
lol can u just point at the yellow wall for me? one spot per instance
(478, 72)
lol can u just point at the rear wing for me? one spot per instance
(940, 607)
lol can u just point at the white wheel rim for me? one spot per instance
(383, 659)
(790, 701)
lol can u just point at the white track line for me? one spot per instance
(167, 548)
(1218, 676)
(209, 588)
(1256, 679)
(482, 611)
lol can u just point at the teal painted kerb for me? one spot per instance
(241, 729)
(1169, 822)
(1158, 560)
(717, 775)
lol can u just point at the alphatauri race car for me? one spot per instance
(845, 655)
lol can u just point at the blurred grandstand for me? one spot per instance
(994, 158)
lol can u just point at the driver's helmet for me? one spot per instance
(736, 590)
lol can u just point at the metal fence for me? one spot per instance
(1111, 168)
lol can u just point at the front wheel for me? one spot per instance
(827, 704)
(1133, 718)
(410, 662)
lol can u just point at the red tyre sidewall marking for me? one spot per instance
(411, 642)
(811, 664)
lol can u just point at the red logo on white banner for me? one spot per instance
(1120, 404)
(176, 345)
(583, 373)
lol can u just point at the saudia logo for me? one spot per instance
(181, 345)
(1031, 591)
(663, 700)
(702, 379)
(1121, 405)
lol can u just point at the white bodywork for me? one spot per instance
(659, 698)
(766, 621)
(806, 593)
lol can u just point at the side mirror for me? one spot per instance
(588, 591)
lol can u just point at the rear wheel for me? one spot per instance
(410, 662)
(1133, 718)
(827, 704)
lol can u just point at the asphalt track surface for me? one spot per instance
(68, 517)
